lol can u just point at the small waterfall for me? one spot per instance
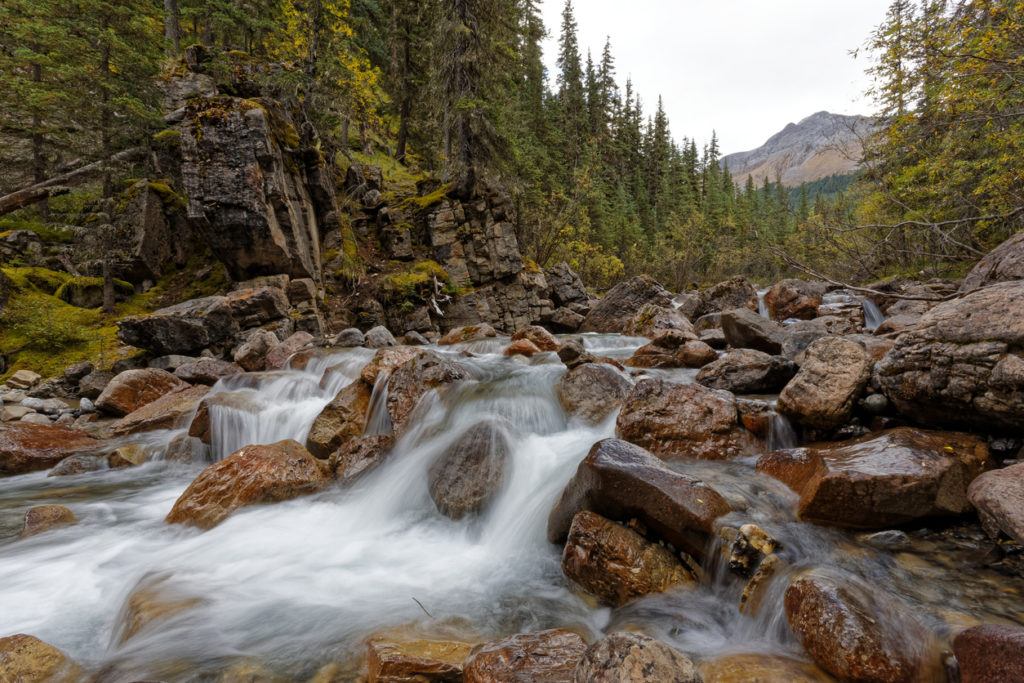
(762, 307)
(378, 421)
(781, 434)
(873, 317)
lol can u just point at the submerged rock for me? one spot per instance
(471, 471)
(426, 372)
(359, 456)
(626, 657)
(544, 657)
(761, 668)
(592, 391)
(45, 517)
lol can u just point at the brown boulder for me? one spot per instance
(616, 309)
(418, 661)
(881, 481)
(29, 447)
(468, 333)
(359, 456)
(617, 564)
(26, 659)
(341, 420)
(745, 329)
(200, 427)
(621, 481)
(999, 497)
(834, 373)
(746, 371)
(857, 634)
(592, 391)
(278, 356)
(684, 421)
(167, 412)
(794, 299)
(471, 471)
(133, 389)
(651, 321)
(45, 517)
(523, 347)
(544, 657)
(990, 653)
(541, 338)
(673, 349)
(1003, 264)
(252, 355)
(626, 657)
(408, 384)
(206, 371)
(251, 476)
(736, 292)
(386, 360)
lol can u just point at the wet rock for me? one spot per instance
(379, 337)
(883, 480)
(962, 365)
(341, 420)
(621, 481)
(30, 448)
(734, 293)
(167, 412)
(471, 471)
(566, 286)
(715, 338)
(573, 355)
(745, 329)
(746, 371)
(360, 456)
(78, 464)
(424, 373)
(184, 449)
(626, 657)
(419, 661)
(684, 421)
(278, 356)
(27, 659)
(616, 309)
(592, 391)
(93, 384)
(673, 349)
(469, 333)
(761, 668)
(856, 634)
(1003, 264)
(252, 355)
(251, 476)
(349, 338)
(200, 425)
(544, 657)
(184, 328)
(153, 600)
(833, 375)
(385, 361)
(127, 456)
(23, 379)
(999, 498)
(133, 389)
(617, 564)
(651, 321)
(523, 347)
(206, 371)
(541, 338)
(45, 517)
(794, 299)
(990, 652)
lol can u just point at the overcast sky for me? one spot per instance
(744, 68)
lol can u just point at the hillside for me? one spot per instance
(820, 145)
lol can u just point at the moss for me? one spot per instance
(35, 279)
(76, 287)
(49, 234)
(168, 140)
(282, 130)
(170, 198)
(416, 283)
(531, 266)
(331, 254)
(416, 203)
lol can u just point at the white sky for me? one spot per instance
(744, 68)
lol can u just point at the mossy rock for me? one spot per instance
(168, 140)
(38, 279)
(87, 292)
(416, 283)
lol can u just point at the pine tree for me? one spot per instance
(572, 104)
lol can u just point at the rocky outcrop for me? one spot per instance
(747, 372)
(252, 476)
(999, 497)
(544, 657)
(616, 309)
(734, 293)
(745, 329)
(150, 225)
(467, 475)
(877, 482)
(592, 391)
(1003, 264)
(29, 447)
(684, 421)
(626, 657)
(833, 374)
(992, 652)
(567, 289)
(621, 481)
(962, 365)
(794, 299)
(133, 389)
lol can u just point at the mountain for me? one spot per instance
(821, 145)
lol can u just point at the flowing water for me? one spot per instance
(298, 584)
(873, 316)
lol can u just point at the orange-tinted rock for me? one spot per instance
(794, 299)
(29, 447)
(45, 517)
(418, 661)
(426, 372)
(621, 481)
(617, 564)
(359, 456)
(386, 360)
(684, 421)
(544, 657)
(127, 456)
(167, 412)
(761, 668)
(883, 480)
(833, 374)
(523, 347)
(673, 349)
(26, 659)
(341, 420)
(467, 334)
(592, 391)
(132, 389)
(253, 475)
(990, 653)
(152, 600)
(999, 497)
(626, 657)
(541, 338)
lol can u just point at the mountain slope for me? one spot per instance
(820, 145)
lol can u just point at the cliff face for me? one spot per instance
(818, 146)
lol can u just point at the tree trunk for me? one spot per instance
(108, 269)
(172, 27)
(38, 159)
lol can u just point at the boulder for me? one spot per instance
(251, 476)
(573, 355)
(564, 320)
(379, 337)
(544, 657)
(349, 338)
(26, 659)
(414, 338)
(687, 303)
(419, 661)
(991, 652)
(93, 384)
(469, 333)
(684, 421)
(566, 286)
(424, 373)
(714, 338)
(745, 329)
(673, 349)
(651, 321)
(133, 389)
(78, 464)
(616, 309)
(592, 391)
(999, 498)
(734, 293)
(541, 338)
(153, 600)
(617, 564)
(794, 299)
(626, 657)
(277, 357)
(858, 633)
(360, 456)
(168, 363)
(45, 517)
(1003, 264)
(880, 481)
(23, 379)
(621, 481)
(29, 447)
(127, 456)
(167, 412)
(341, 420)
(184, 328)
(385, 361)
(77, 372)
(200, 427)
(256, 307)
(252, 355)
(962, 365)
(206, 371)
(471, 471)
(523, 347)
(834, 373)
(746, 371)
